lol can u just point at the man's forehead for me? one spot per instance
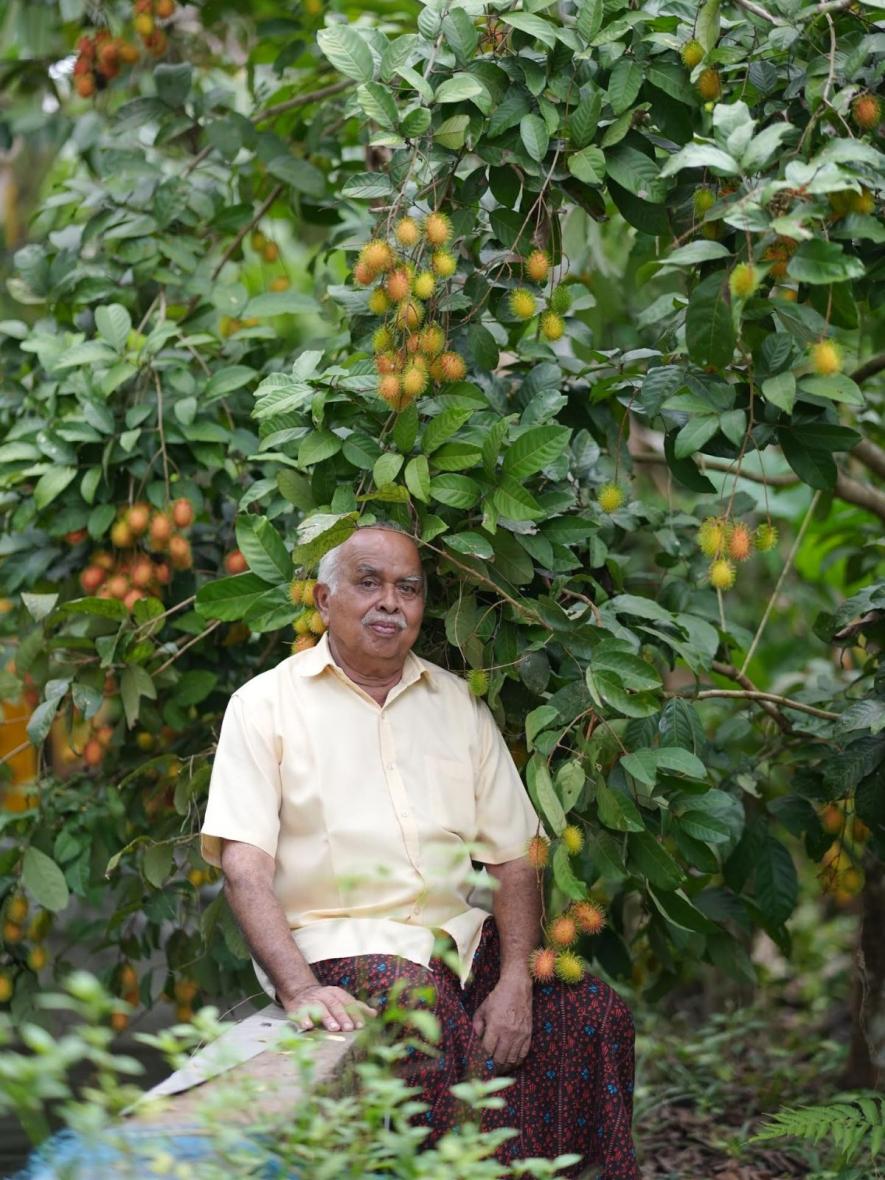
(380, 549)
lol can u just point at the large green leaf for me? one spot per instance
(617, 810)
(709, 329)
(44, 880)
(819, 261)
(535, 449)
(649, 859)
(777, 884)
(264, 549)
(345, 48)
(535, 136)
(229, 599)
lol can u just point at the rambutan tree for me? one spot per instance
(586, 296)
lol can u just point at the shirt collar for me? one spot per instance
(317, 659)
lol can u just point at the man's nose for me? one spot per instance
(387, 601)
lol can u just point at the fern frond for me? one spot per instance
(852, 1122)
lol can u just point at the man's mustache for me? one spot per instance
(376, 616)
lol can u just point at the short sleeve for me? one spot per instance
(244, 790)
(505, 818)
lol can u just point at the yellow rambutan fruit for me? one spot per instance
(563, 931)
(407, 232)
(377, 255)
(542, 964)
(437, 228)
(569, 967)
(561, 300)
(382, 340)
(452, 366)
(610, 497)
(296, 589)
(315, 622)
(825, 358)
(538, 852)
(709, 84)
(425, 284)
(703, 199)
(414, 380)
(307, 591)
(573, 839)
(409, 315)
(433, 340)
(866, 110)
(398, 285)
(303, 643)
(387, 362)
(692, 53)
(552, 325)
(766, 537)
(743, 280)
(589, 917)
(478, 682)
(537, 266)
(444, 263)
(390, 388)
(712, 536)
(522, 303)
(378, 302)
(363, 274)
(740, 542)
(863, 202)
(722, 574)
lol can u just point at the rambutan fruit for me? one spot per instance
(390, 388)
(437, 228)
(363, 274)
(413, 344)
(377, 255)
(382, 340)
(433, 340)
(722, 574)
(563, 931)
(378, 302)
(387, 362)
(444, 264)
(538, 852)
(766, 537)
(573, 839)
(866, 110)
(709, 84)
(569, 967)
(425, 284)
(478, 682)
(522, 303)
(692, 53)
(407, 232)
(409, 315)
(414, 380)
(743, 280)
(589, 917)
(542, 964)
(863, 202)
(740, 542)
(561, 300)
(303, 643)
(537, 266)
(712, 536)
(452, 366)
(307, 591)
(552, 325)
(610, 497)
(825, 358)
(703, 199)
(296, 589)
(315, 622)
(398, 285)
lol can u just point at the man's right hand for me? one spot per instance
(331, 1008)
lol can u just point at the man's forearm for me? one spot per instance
(266, 930)
(517, 911)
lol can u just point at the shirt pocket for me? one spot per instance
(451, 792)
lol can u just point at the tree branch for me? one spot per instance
(732, 673)
(301, 100)
(747, 695)
(869, 368)
(759, 11)
(263, 208)
(871, 456)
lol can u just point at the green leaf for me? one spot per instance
(607, 687)
(51, 484)
(544, 794)
(637, 173)
(417, 477)
(321, 532)
(538, 720)
(707, 27)
(481, 343)
(819, 261)
(229, 599)
(617, 810)
(535, 449)
(535, 136)
(173, 83)
(458, 88)
(317, 446)
(583, 122)
(564, 875)
(709, 329)
(387, 468)
(460, 33)
(776, 882)
(367, 185)
(780, 390)
(514, 502)
(589, 22)
(649, 859)
(135, 683)
(443, 426)
(540, 29)
(298, 174)
(264, 549)
(270, 303)
(415, 122)
(813, 466)
(679, 910)
(588, 165)
(472, 544)
(632, 671)
(456, 491)
(114, 324)
(704, 827)
(156, 864)
(694, 434)
(40, 721)
(347, 51)
(515, 103)
(194, 686)
(837, 388)
(452, 133)
(44, 880)
(228, 379)
(378, 103)
(624, 84)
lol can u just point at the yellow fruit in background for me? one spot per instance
(573, 839)
(522, 303)
(709, 84)
(711, 536)
(722, 574)
(17, 908)
(414, 380)
(478, 682)
(37, 958)
(7, 987)
(432, 340)
(378, 302)
(364, 275)
(425, 284)
(740, 542)
(825, 358)
(382, 341)
(437, 229)
(398, 285)
(542, 964)
(610, 497)
(766, 537)
(537, 266)
(303, 643)
(315, 623)
(307, 592)
(296, 589)
(12, 932)
(452, 366)
(271, 252)
(867, 112)
(409, 315)
(703, 199)
(692, 53)
(563, 930)
(569, 967)
(589, 916)
(407, 232)
(743, 280)
(377, 255)
(863, 202)
(301, 626)
(444, 264)
(280, 283)
(538, 852)
(552, 325)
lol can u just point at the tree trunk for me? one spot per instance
(866, 1059)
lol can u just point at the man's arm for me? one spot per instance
(248, 885)
(504, 1019)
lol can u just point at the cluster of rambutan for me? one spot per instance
(557, 959)
(727, 541)
(524, 303)
(146, 15)
(99, 58)
(410, 346)
(131, 574)
(308, 623)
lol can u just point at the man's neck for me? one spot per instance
(376, 681)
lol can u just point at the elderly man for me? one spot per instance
(353, 788)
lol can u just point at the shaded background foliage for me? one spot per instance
(181, 323)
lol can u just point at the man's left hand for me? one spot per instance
(504, 1021)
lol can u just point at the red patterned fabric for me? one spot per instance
(574, 1091)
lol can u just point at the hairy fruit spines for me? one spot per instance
(537, 266)
(444, 264)
(569, 967)
(722, 574)
(561, 300)
(825, 358)
(478, 682)
(522, 303)
(538, 852)
(866, 110)
(377, 255)
(740, 542)
(452, 366)
(692, 53)
(610, 497)
(573, 839)
(407, 232)
(542, 964)
(743, 280)
(424, 284)
(712, 535)
(589, 917)
(552, 326)
(766, 537)
(563, 931)
(709, 84)
(437, 228)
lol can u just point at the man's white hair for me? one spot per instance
(329, 568)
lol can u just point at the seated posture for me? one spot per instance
(354, 787)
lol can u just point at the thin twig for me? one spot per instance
(166, 613)
(732, 673)
(190, 643)
(871, 456)
(301, 100)
(12, 753)
(197, 160)
(232, 248)
(162, 434)
(776, 591)
(517, 606)
(759, 11)
(869, 368)
(775, 698)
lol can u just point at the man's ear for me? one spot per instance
(321, 595)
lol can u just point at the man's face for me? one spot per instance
(374, 612)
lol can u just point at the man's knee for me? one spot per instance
(592, 995)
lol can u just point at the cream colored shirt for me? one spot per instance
(372, 813)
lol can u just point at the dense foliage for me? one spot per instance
(619, 359)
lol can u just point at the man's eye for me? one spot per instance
(408, 590)
(367, 583)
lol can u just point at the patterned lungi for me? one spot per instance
(573, 1092)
